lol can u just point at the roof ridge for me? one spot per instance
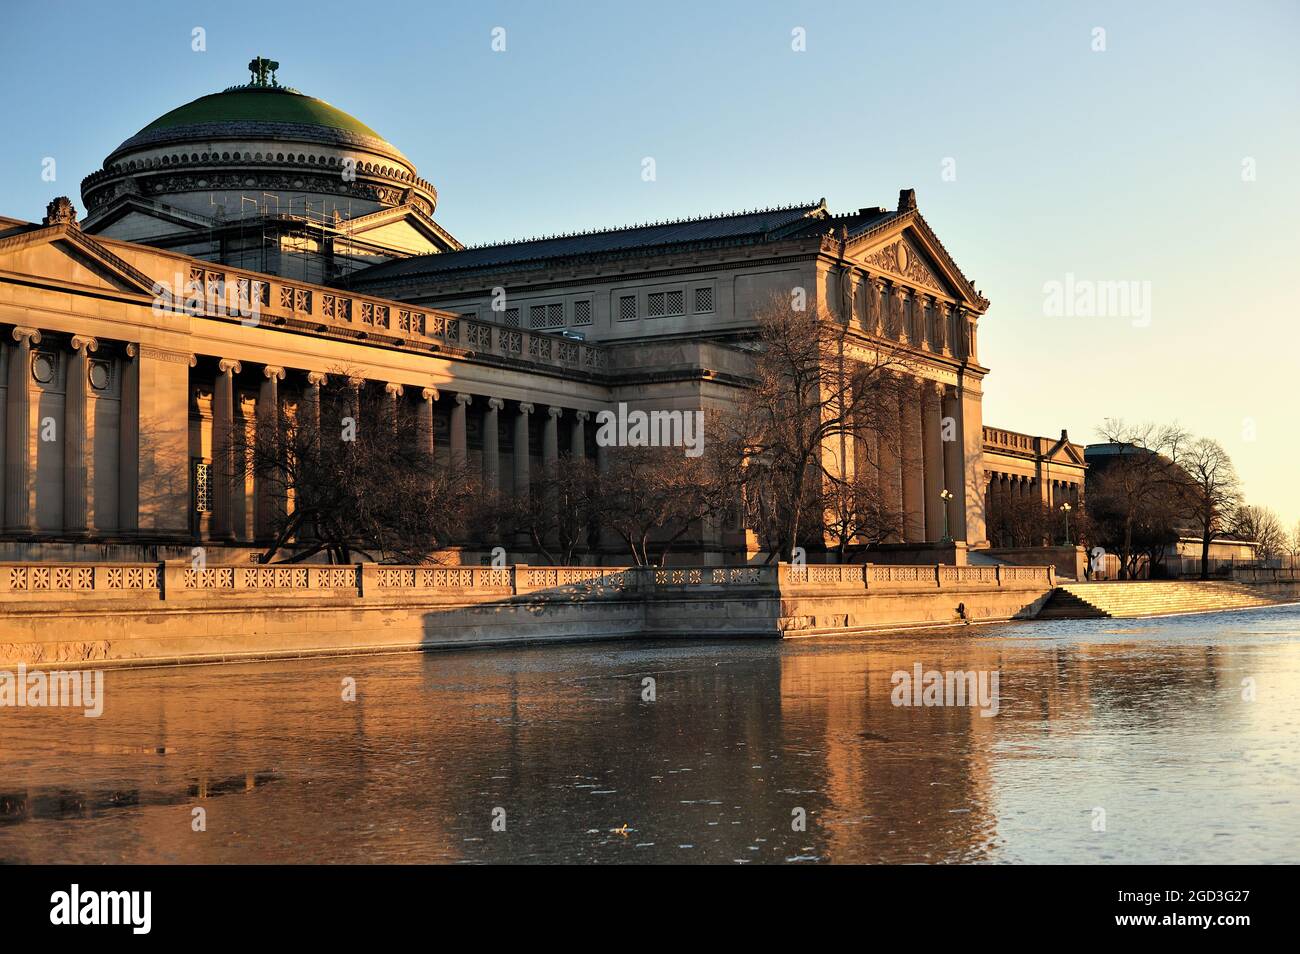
(809, 206)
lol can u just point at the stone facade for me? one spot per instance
(1023, 472)
(146, 354)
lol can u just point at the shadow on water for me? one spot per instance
(19, 807)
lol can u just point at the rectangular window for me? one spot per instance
(627, 308)
(665, 304)
(704, 299)
(581, 312)
(546, 317)
(511, 319)
(202, 486)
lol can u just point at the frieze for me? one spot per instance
(172, 357)
(901, 259)
(273, 183)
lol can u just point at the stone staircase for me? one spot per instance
(1150, 598)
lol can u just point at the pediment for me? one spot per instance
(906, 249)
(63, 255)
(1068, 454)
(903, 259)
(404, 227)
(132, 218)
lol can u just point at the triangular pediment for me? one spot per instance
(1069, 454)
(903, 259)
(405, 227)
(63, 255)
(906, 249)
(132, 218)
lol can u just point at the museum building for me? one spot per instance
(241, 249)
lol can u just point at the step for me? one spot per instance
(1127, 599)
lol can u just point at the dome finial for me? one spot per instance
(259, 68)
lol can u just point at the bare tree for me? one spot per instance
(352, 476)
(1261, 525)
(818, 395)
(857, 517)
(1141, 482)
(651, 496)
(557, 515)
(1213, 493)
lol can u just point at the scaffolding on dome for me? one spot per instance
(263, 234)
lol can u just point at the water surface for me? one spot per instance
(1144, 719)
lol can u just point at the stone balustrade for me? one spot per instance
(176, 611)
(902, 577)
(182, 579)
(231, 293)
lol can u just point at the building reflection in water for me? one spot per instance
(739, 737)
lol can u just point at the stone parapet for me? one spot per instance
(179, 611)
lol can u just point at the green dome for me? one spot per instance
(260, 104)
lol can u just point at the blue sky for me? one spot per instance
(1117, 165)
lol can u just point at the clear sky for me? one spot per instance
(1170, 157)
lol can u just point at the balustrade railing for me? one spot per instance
(181, 579)
(227, 292)
(901, 576)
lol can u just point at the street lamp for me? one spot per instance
(1065, 509)
(946, 495)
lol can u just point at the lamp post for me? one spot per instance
(1065, 509)
(945, 495)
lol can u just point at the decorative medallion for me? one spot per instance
(44, 367)
(100, 375)
(901, 260)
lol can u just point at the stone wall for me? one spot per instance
(96, 614)
(1070, 562)
(844, 599)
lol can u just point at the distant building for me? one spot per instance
(1027, 480)
(1182, 556)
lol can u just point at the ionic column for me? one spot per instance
(18, 423)
(459, 447)
(266, 506)
(550, 464)
(310, 421)
(311, 402)
(128, 446)
(891, 464)
(914, 500)
(492, 446)
(551, 437)
(223, 449)
(74, 436)
(954, 463)
(522, 479)
(932, 442)
(394, 391)
(578, 434)
(424, 423)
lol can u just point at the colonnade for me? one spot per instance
(923, 459)
(460, 407)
